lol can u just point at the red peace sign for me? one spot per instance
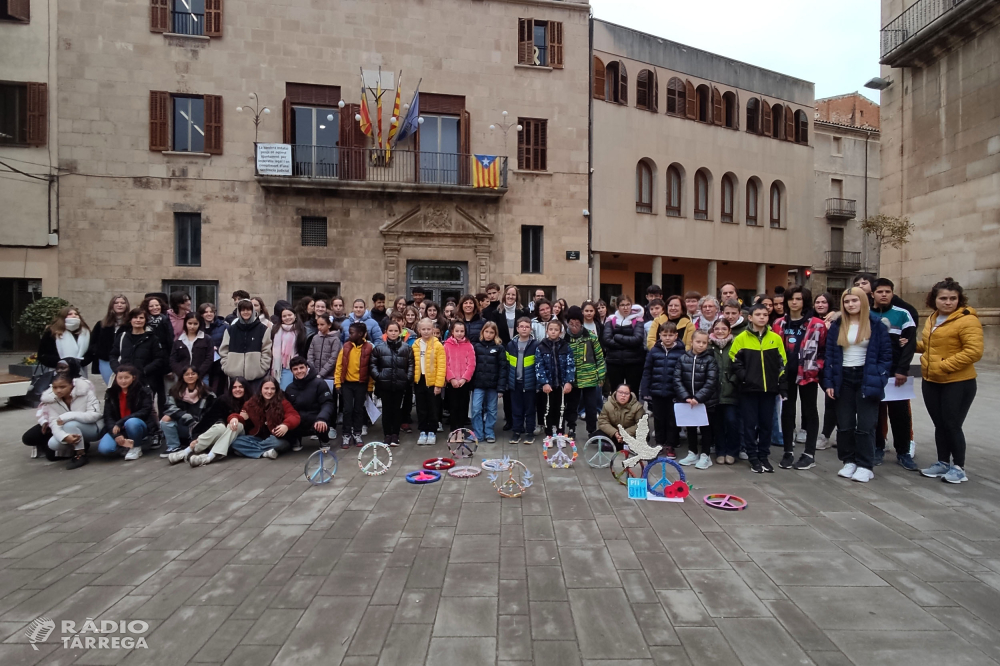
(439, 463)
(725, 502)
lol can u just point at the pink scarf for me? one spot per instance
(284, 343)
(190, 396)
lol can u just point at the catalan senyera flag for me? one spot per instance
(394, 128)
(366, 119)
(486, 171)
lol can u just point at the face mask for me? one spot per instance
(72, 323)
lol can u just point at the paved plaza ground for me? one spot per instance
(244, 563)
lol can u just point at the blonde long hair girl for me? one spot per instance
(859, 316)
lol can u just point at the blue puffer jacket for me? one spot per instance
(878, 361)
(555, 365)
(530, 381)
(658, 372)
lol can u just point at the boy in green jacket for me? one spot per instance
(590, 371)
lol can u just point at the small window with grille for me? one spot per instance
(314, 231)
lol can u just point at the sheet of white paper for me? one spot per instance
(329, 382)
(688, 416)
(373, 412)
(893, 392)
(217, 357)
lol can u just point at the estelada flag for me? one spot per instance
(486, 171)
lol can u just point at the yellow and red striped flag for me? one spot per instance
(366, 119)
(486, 171)
(394, 127)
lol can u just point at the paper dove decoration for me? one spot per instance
(637, 445)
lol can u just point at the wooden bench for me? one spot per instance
(13, 385)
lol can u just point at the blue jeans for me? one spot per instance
(105, 367)
(484, 401)
(249, 446)
(776, 437)
(522, 403)
(135, 429)
(286, 378)
(173, 432)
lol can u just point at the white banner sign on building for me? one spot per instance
(274, 159)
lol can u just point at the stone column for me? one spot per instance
(392, 285)
(713, 277)
(595, 277)
(761, 278)
(657, 272)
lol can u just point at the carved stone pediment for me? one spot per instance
(437, 224)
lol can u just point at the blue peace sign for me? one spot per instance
(660, 464)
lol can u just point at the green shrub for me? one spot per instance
(40, 314)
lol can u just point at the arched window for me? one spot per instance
(801, 127)
(643, 187)
(616, 83)
(726, 211)
(676, 101)
(775, 206)
(777, 121)
(704, 94)
(751, 203)
(598, 78)
(700, 195)
(753, 115)
(730, 112)
(673, 192)
(647, 94)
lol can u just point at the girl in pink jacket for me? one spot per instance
(460, 363)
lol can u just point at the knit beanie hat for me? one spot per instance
(575, 313)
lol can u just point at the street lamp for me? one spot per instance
(257, 113)
(504, 127)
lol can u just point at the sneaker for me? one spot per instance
(168, 452)
(704, 462)
(756, 467)
(515, 438)
(821, 443)
(800, 436)
(937, 470)
(270, 454)
(81, 459)
(407, 428)
(491, 439)
(199, 459)
(358, 442)
(440, 427)
(178, 456)
(744, 456)
(766, 464)
(906, 462)
(507, 426)
(134, 453)
(530, 439)
(848, 470)
(297, 446)
(879, 457)
(432, 439)
(670, 453)
(720, 460)
(690, 459)
(787, 460)
(955, 475)
(345, 443)
(34, 451)
(392, 440)
(364, 431)
(154, 441)
(730, 460)
(862, 475)
(805, 461)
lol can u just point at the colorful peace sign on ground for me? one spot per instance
(725, 502)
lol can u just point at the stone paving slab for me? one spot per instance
(243, 562)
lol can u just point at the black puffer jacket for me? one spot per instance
(624, 342)
(697, 377)
(140, 406)
(103, 339)
(143, 351)
(311, 398)
(391, 366)
(491, 366)
(658, 372)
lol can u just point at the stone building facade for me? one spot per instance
(161, 191)
(941, 148)
(703, 169)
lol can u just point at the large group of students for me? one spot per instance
(198, 386)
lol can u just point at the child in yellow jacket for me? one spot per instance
(429, 366)
(353, 380)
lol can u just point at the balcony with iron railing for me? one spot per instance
(841, 209)
(369, 170)
(929, 27)
(838, 260)
(187, 23)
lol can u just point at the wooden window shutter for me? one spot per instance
(465, 149)
(717, 114)
(789, 124)
(541, 160)
(555, 44)
(159, 120)
(692, 100)
(159, 15)
(736, 110)
(352, 144)
(622, 84)
(286, 121)
(38, 113)
(19, 9)
(655, 84)
(642, 90)
(765, 117)
(598, 78)
(522, 152)
(525, 41)
(213, 124)
(213, 18)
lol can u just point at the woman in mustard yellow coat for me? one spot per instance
(951, 343)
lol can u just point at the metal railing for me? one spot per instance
(398, 166)
(843, 261)
(841, 209)
(188, 23)
(912, 21)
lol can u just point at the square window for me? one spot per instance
(13, 113)
(200, 291)
(188, 17)
(189, 124)
(314, 231)
(187, 239)
(297, 290)
(531, 249)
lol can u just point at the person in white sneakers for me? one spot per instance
(696, 381)
(218, 428)
(128, 415)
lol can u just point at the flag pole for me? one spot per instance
(412, 99)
